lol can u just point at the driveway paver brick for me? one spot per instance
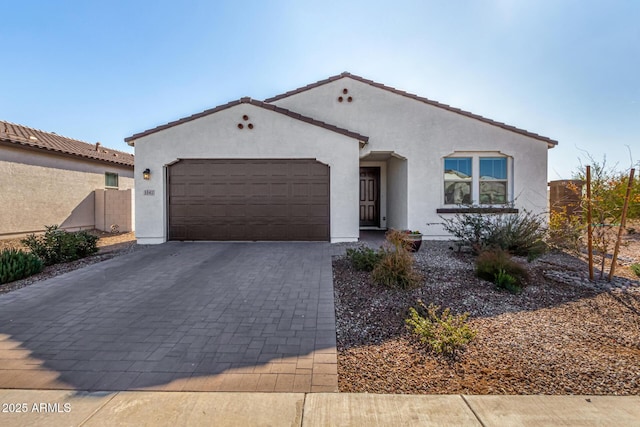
(205, 316)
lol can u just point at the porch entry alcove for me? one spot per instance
(383, 191)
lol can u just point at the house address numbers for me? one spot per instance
(149, 192)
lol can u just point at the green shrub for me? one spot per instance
(395, 268)
(364, 258)
(521, 233)
(16, 265)
(497, 266)
(504, 280)
(57, 245)
(636, 269)
(443, 332)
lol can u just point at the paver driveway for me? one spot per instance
(178, 316)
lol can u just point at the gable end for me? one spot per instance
(550, 142)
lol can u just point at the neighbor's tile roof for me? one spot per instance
(549, 141)
(29, 137)
(257, 103)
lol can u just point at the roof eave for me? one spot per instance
(246, 100)
(550, 142)
(38, 148)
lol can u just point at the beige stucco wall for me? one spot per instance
(38, 189)
(216, 136)
(113, 209)
(424, 135)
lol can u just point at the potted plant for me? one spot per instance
(414, 238)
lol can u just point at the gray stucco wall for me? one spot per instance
(424, 135)
(38, 189)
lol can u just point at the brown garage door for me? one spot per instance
(248, 200)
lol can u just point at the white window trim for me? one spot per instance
(475, 176)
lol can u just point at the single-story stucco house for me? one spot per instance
(323, 161)
(48, 179)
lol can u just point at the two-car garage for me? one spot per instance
(247, 171)
(248, 199)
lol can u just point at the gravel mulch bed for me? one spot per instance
(561, 335)
(109, 246)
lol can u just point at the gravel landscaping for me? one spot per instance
(561, 335)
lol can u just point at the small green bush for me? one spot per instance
(504, 280)
(395, 268)
(497, 266)
(16, 265)
(57, 245)
(636, 269)
(364, 258)
(443, 332)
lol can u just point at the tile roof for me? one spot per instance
(131, 140)
(35, 138)
(550, 142)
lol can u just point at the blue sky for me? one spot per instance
(104, 70)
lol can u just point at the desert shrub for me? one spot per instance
(443, 332)
(57, 245)
(636, 269)
(504, 280)
(85, 244)
(16, 265)
(364, 258)
(566, 231)
(395, 268)
(521, 233)
(496, 266)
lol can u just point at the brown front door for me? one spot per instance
(370, 197)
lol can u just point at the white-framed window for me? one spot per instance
(477, 178)
(493, 181)
(457, 180)
(110, 180)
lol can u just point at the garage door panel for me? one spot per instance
(277, 189)
(215, 199)
(319, 190)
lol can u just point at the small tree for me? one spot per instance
(608, 189)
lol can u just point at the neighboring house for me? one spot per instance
(325, 160)
(48, 179)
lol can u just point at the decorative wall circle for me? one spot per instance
(245, 117)
(250, 125)
(345, 91)
(349, 99)
(339, 99)
(240, 125)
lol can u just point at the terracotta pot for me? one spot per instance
(415, 241)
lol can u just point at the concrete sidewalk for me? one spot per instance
(59, 407)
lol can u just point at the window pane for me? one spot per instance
(457, 168)
(493, 192)
(457, 192)
(110, 179)
(493, 168)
